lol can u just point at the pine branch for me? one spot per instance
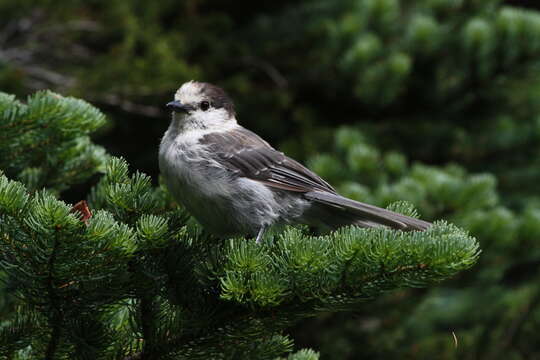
(275, 290)
(189, 295)
(45, 142)
(57, 318)
(306, 268)
(146, 308)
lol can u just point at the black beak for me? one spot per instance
(177, 106)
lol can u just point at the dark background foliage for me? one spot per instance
(430, 82)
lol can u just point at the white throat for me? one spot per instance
(189, 128)
(214, 120)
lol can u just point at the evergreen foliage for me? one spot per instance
(45, 143)
(448, 88)
(465, 73)
(470, 200)
(139, 279)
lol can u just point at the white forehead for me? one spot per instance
(189, 92)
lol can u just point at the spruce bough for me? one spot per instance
(140, 280)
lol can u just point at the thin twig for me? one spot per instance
(269, 69)
(131, 107)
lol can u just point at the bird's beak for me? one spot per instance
(177, 106)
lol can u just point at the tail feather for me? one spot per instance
(365, 215)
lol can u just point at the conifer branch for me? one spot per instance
(193, 295)
(57, 318)
(147, 310)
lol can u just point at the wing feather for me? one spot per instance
(246, 154)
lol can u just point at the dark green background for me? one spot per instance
(435, 82)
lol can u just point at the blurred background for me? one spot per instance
(432, 101)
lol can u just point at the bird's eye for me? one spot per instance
(205, 105)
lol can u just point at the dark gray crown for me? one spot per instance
(217, 97)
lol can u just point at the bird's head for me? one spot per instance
(202, 105)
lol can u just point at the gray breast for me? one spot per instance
(202, 187)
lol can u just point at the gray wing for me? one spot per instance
(247, 155)
(244, 153)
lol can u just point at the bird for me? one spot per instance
(236, 184)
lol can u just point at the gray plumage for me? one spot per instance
(235, 183)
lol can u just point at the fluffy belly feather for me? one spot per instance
(222, 202)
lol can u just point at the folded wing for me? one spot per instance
(247, 155)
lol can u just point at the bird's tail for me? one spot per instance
(345, 211)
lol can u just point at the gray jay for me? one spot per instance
(234, 183)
